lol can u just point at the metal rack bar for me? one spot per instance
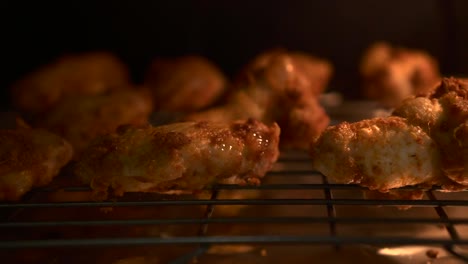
(330, 209)
(448, 226)
(293, 186)
(237, 220)
(429, 203)
(266, 239)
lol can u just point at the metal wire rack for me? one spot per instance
(294, 205)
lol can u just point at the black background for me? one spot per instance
(230, 32)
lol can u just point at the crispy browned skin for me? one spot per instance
(70, 75)
(29, 158)
(180, 156)
(184, 84)
(424, 143)
(81, 119)
(379, 153)
(279, 87)
(391, 74)
(443, 114)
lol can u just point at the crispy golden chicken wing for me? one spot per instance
(424, 143)
(443, 114)
(279, 87)
(80, 119)
(391, 74)
(29, 158)
(185, 84)
(180, 156)
(70, 75)
(379, 153)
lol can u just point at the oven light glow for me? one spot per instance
(401, 251)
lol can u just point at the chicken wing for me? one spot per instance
(79, 74)
(392, 74)
(279, 87)
(29, 158)
(423, 143)
(180, 156)
(81, 119)
(184, 84)
(380, 153)
(443, 114)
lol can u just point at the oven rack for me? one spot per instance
(299, 178)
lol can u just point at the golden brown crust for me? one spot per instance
(81, 119)
(441, 114)
(180, 156)
(185, 84)
(70, 75)
(423, 143)
(451, 85)
(379, 153)
(29, 158)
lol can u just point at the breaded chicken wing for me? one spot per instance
(424, 143)
(29, 158)
(443, 115)
(180, 156)
(81, 119)
(184, 84)
(379, 153)
(279, 87)
(391, 74)
(70, 75)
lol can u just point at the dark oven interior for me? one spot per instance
(295, 215)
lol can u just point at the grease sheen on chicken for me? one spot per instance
(180, 156)
(29, 158)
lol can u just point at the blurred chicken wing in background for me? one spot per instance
(279, 86)
(70, 75)
(391, 74)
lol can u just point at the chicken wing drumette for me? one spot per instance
(380, 153)
(80, 119)
(424, 143)
(29, 158)
(391, 74)
(443, 114)
(70, 75)
(180, 156)
(279, 87)
(184, 84)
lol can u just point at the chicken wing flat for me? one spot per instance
(443, 114)
(184, 84)
(180, 156)
(29, 158)
(81, 119)
(380, 153)
(391, 74)
(70, 75)
(278, 87)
